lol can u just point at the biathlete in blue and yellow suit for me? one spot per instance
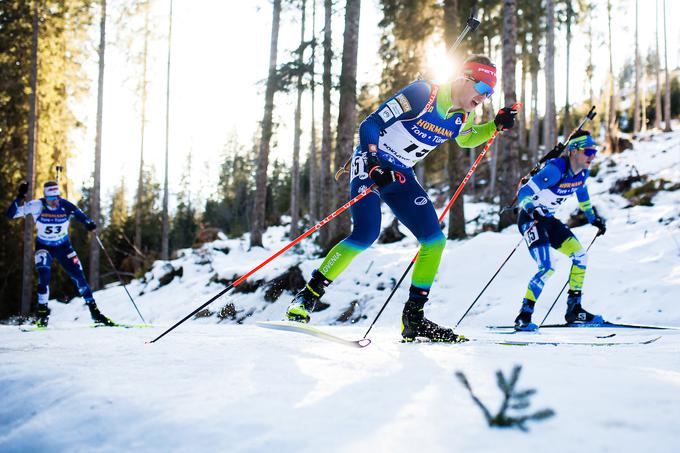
(538, 199)
(52, 215)
(401, 132)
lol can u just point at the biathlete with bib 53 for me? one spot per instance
(52, 215)
(400, 133)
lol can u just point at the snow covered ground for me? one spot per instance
(216, 385)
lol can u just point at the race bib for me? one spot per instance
(398, 142)
(531, 235)
(52, 233)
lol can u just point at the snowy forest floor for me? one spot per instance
(219, 383)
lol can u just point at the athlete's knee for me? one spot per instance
(42, 259)
(545, 271)
(435, 243)
(363, 238)
(580, 258)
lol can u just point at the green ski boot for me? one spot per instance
(305, 301)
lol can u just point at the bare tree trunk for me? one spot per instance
(636, 96)
(258, 224)
(493, 158)
(534, 67)
(522, 133)
(508, 147)
(590, 68)
(566, 124)
(657, 97)
(611, 117)
(27, 271)
(347, 112)
(325, 170)
(455, 155)
(549, 122)
(667, 94)
(295, 173)
(95, 195)
(140, 181)
(165, 238)
(313, 163)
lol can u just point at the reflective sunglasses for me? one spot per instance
(52, 198)
(589, 152)
(481, 87)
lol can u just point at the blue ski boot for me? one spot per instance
(576, 314)
(523, 320)
(306, 300)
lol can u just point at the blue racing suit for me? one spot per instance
(52, 242)
(544, 192)
(405, 129)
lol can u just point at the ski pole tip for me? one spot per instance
(364, 342)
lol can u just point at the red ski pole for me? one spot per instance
(323, 222)
(441, 217)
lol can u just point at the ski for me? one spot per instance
(124, 326)
(32, 329)
(615, 325)
(577, 343)
(605, 324)
(298, 327)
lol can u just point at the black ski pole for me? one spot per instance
(119, 276)
(489, 282)
(564, 287)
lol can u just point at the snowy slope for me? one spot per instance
(214, 385)
(633, 272)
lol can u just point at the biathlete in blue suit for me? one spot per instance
(400, 133)
(52, 215)
(538, 199)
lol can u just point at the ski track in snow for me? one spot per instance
(220, 386)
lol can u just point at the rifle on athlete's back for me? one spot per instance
(553, 153)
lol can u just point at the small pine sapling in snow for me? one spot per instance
(513, 400)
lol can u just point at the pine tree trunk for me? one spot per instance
(165, 235)
(295, 174)
(589, 69)
(95, 195)
(347, 112)
(508, 147)
(549, 122)
(636, 95)
(455, 167)
(534, 67)
(566, 126)
(325, 169)
(313, 160)
(140, 180)
(611, 116)
(260, 204)
(667, 93)
(522, 124)
(657, 96)
(27, 270)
